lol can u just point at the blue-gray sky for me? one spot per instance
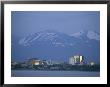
(27, 22)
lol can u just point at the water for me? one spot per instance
(32, 73)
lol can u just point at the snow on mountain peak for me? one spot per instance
(93, 35)
(39, 36)
(89, 34)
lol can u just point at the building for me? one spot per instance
(77, 59)
(92, 63)
(14, 63)
(34, 61)
(37, 62)
(23, 64)
(49, 62)
(71, 61)
(44, 62)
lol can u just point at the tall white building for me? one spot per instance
(71, 61)
(77, 59)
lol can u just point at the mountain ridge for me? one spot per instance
(55, 45)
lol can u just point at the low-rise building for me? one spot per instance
(14, 63)
(92, 63)
(34, 61)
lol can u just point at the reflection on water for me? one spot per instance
(32, 73)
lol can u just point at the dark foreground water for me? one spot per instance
(32, 73)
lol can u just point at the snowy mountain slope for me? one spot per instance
(55, 45)
(87, 34)
(49, 36)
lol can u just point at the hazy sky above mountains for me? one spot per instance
(27, 22)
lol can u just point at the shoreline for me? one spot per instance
(51, 70)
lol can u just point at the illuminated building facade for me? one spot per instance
(77, 59)
(34, 61)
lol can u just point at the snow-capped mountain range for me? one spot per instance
(53, 37)
(57, 38)
(58, 46)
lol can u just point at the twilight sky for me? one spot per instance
(27, 22)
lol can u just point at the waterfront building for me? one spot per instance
(34, 61)
(77, 59)
(14, 63)
(49, 62)
(92, 63)
(44, 62)
(71, 61)
(23, 64)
